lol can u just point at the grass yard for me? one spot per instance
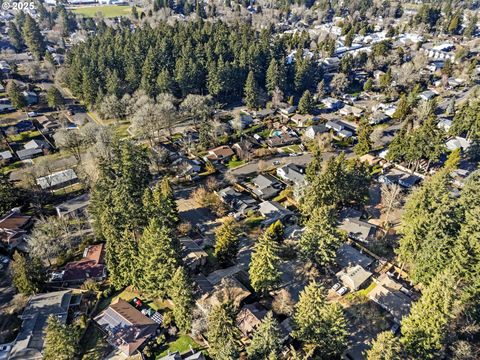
(107, 11)
(292, 149)
(182, 345)
(93, 344)
(235, 163)
(25, 136)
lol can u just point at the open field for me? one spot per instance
(107, 11)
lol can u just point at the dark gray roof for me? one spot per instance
(347, 255)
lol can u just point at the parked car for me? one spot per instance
(336, 286)
(276, 162)
(342, 291)
(394, 329)
(32, 114)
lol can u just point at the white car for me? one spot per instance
(276, 162)
(342, 291)
(32, 114)
(336, 286)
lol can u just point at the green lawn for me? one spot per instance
(107, 11)
(234, 163)
(292, 149)
(25, 136)
(182, 344)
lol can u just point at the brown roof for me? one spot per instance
(90, 266)
(221, 151)
(14, 221)
(95, 253)
(250, 317)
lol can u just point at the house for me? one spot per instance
(334, 125)
(91, 266)
(5, 67)
(13, 229)
(21, 126)
(73, 207)
(245, 148)
(427, 95)
(220, 153)
(5, 108)
(30, 340)
(391, 296)
(458, 142)
(126, 327)
(26, 154)
(351, 110)
(6, 155)
(353, 277)
(358, 230)
(262, 114)
(302, 120)
(47, 123)
(242, 121)
(36, 144)
(282, 138)
(273, 211)
(332, 103)
(345, 134)
(288, 110)
(193, 255)
(331, 63)
(445, 124)
(250, 317)
(266, 186)
(378, 117)
(347, 255)
(312, 131)
(58, 180)
(187, 168)
(236, 201)
(396, 176)
(31, 97)
(292, 173)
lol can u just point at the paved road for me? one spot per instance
(6, 289)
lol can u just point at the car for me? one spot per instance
(5, 348)
(32, 114)
(342, 291)
(336, 286)
(394, 329)
(276, 162)
(292, 154)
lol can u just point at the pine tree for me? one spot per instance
(165, 82)
(275, 231)
(28, 274)
(251, 91)
(320, 324)
(306, 104)
(314, 168)
(14, 36)
(149, 74)
(158, 254)
(17, 99)
(364, 144)
(54, 98)
(181, 292)
(33, 37)
(61, 341)
(264, 268)
(276, 76)
(10, 196)
(160, 204)
(227, 242)
(223, 334)
(424, 330)
(320, 240)
(385, 347)
(368, 85)
(266, 342)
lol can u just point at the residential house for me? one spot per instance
(58, 180)
(187, 168)
(345, 134)
(30, 340)
(288, 110)
(126, 327)
(21, 126)
(264, 113)
(427, 95)
(351, 110)
(193, 255)
(219, 154)
(358, 230)
(6, 107)
(378, 117)
(347, 255)
(73, 207)
(458, 142)
(6, 156)
(31, 97)
(250, 317)
(242, 121)
(91, 266)
(391, 296)
(332, 103)
(192, 355)
(302, 120)
(397, 176)
(36, 144)
(245, 148)
(13, 229)
(238, 202)
(282, 138)
(312, 131)
(47, 123)
(5, 67)
(26, 154)
(353, 277)
(292, 174)
(334, 125)
(445, 124)
(273, 211)
(266, 186)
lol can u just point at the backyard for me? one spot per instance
(107, 11)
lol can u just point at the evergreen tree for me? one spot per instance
(158, 254)
(364, 144)
(264, 268)
(223, 334)
(61, 341)
(251, 91)
(314, 168)
(165, 82)
(227, 242)
(368, 85)
(9, 194)
(320, 324)
(54, 98)
(424, 330)
(33, 37)
(160, 203)
(15, 96)
(149, 74)
(306, 103)
(321, 239)
(275, 231)
(385, 347)
(276, 76)
(181, 292)
(266, 342)
(14, 36)
(28, 274)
